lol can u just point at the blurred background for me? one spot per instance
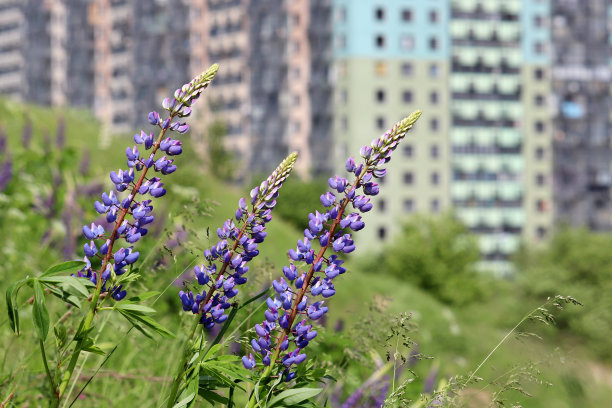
(499, 198)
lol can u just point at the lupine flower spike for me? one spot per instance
(131, 215)
(286, 330)
(226, 262)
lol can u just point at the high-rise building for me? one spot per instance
(273, 90)
(479, 70)
(581, 75)
(120, 57)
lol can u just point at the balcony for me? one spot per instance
(496, 202)
(481, 68)
(481, 121)
(493, 149)
(494, 95)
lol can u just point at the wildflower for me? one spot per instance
(132, 214)
(237, 246)
(309, 270)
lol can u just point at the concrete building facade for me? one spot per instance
(122, 56)
(479, 70)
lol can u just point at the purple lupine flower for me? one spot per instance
(26, 133)
(6, 173)
(311, 272)
(2, 140)
(226, 262)
(60, 133)
(132, 214)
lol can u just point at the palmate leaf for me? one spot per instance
(12, 308)
(142, 323)
(40, 314)
(70, 284)
(293, 397)
(64, 267)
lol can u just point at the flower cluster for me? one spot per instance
(131, 215)
(282, 337)
(237, 245)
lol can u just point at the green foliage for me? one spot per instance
(220, 160)
(576, 262)
(438, 255)
(299, 198)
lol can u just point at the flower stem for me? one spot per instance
(332, 229)
(47, 372)
(86, 325)
(180, 369)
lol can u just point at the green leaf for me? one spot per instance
(254, 298)
(137, 325)
(12, 308)
(65, 267)
(185, 401)
(143, 296)
(139, 320)
(71, 282)
(212, 396)
(294, 396)
(134, 308)
(40, 314)
(90, 347)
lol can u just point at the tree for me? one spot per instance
(437, 254)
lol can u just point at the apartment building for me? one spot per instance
(479, 70)
(121, 57)
(581, 76)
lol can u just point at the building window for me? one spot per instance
(433, 124)
(380, 41)
(540, 179)
(343, 123)
(295, 73)
(296, 100)
(380, 68)
(408, 178)
(380, 95)
(541, 232)
(379, 13)
(435, 205)
(407, 96)
(296, 126)
(340, 14)
(382, 205)
(406, 15)
(407, 42)
(539, 153)
(435, 178)
(433, 16)
(433, 43)
(408, 151)
(538, 74)
(433, 97)
(382, 233)
(539, 100)
(407, 69)
(408, 205)
(434, 151)
(541, 206)
(539, 127)
(295, 47)
(343, 96)
(538, 21)
(434, 71)
(380, 123)
(341, 41)
(538, 47)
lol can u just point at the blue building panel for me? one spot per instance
(392, 29)
(535, 31)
